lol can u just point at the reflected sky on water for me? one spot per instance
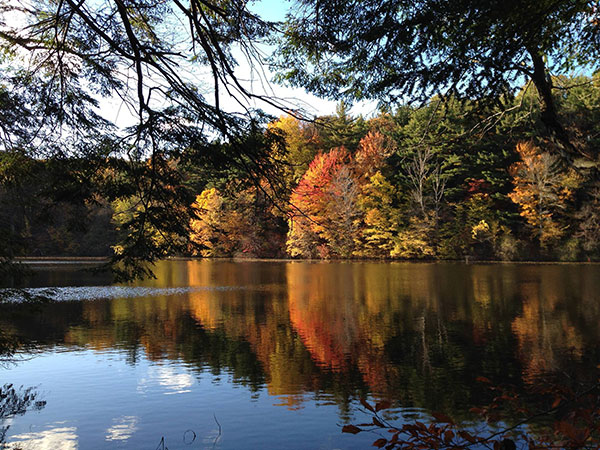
(277, 354)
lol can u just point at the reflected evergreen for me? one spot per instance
(16, 401)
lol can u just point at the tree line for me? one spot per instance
(443, 181)
(431, 182)
(443, 71)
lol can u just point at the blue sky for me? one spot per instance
(272, 10)
(275, 10)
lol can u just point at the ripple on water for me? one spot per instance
(73, 293)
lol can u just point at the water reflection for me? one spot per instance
(416, 333)
(122, 429)
(64, 438)
(16, 401)
(169, 379)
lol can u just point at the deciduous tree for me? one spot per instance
(381, 218)
(302, 143)
(311, 224)
(542, 191)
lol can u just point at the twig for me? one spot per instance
(219, 435)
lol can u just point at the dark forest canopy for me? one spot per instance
(60, 57)
(398, 50)
(171, 63)
(412, 183)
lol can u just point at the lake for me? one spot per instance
(271, 355)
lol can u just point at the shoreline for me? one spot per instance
(95, 260)
(61, 260)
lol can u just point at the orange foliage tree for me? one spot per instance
(310, 223)
(331, 216)
(372, 152)
(542, 191)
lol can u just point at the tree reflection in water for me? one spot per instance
(419, 334)
(16, 402)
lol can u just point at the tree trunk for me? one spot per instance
(549, 116)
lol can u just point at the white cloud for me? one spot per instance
(170, 381)
(123, 428)
(64, 438)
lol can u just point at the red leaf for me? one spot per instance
(448, 436)
(466, 436)
(366, 405)
(351, 429)
(483, 380)
(380, 443)
(556, 402)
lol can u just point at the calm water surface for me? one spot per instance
(234, 355)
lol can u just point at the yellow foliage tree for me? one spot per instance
(542, 191)
(413, 242)
(302, 144)
(214, 230)
(380, 221)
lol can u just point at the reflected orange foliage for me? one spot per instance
(303, 320)
(543, 328)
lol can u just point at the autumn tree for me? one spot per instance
(413, 241)
(243, 223)
(343, 213)
(380, 218)
(311, 225)
(260, 222)
(207, 229)
(542, 192)
(370, 157)
(302, 143)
